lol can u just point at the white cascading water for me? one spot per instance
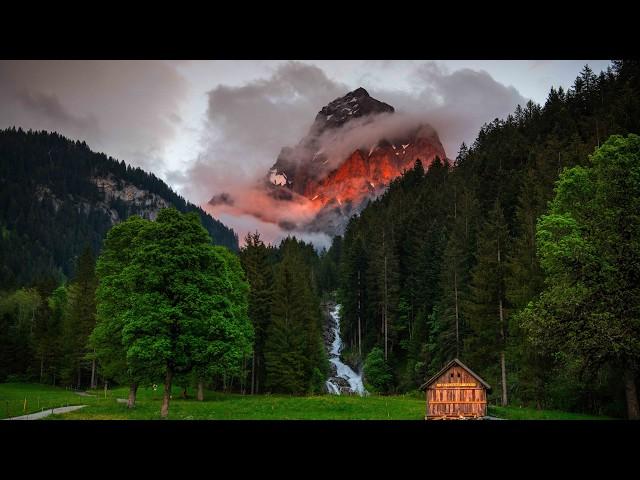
(343, 371)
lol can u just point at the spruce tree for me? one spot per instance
(294, 352)
(80, 321)
(259, 270)
(487, 343)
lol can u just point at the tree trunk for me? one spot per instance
(79, 377)
(253, 373)
(184, 392)
(504, 379)
(93, 373)
(200, 391)
(504, 345)
(41, 368)
(633, 410)
(133, 389)
(455, 287)
(258, 375)
(164, 411)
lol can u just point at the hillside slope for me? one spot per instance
(56, 196)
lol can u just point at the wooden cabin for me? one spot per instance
(456, 392)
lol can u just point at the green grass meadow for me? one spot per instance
(228, 406)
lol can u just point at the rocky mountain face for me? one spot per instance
(58, 197)
(339, 183)
(144, 203)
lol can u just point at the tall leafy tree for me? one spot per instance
(225, 336)
(180, 309)
(114, 299)
(589, 247)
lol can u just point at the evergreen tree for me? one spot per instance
(487, 343)
(80, 321)
(259, 270)
(294, 352)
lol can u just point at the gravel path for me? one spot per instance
(85, 394)
(46, 413)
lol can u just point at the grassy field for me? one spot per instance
(38, 397)
(220, 406)
(521, 413)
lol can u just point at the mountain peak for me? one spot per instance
(359, 92)
(357, 103)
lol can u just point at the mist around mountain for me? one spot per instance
(353, 150)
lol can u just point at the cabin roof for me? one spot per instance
(447, 367)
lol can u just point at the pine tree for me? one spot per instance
(80, 321)
(259, 270)
(294, 353)
(352, 295)
(487, 343)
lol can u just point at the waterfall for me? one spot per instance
(343, 372)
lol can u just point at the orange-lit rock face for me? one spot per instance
(361, 174)
(356, 146)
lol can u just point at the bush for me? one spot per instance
(377, 372)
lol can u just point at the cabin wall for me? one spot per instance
(468, 401)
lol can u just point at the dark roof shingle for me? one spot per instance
(449, 365)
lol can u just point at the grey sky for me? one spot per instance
(206, 125)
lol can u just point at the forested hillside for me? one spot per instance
(442, 263)
(57, 197)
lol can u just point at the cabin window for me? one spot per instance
(458, 375)
(451, 374)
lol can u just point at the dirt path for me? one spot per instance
(85, 394)
(46, 413)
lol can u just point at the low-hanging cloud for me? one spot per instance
(456, 103)
(366, 132)
(247, 126)
(132, 110)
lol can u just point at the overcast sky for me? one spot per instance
(202, 125)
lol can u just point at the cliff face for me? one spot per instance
(59, 197)
(338, 183)
(143, 202)
(364, 174)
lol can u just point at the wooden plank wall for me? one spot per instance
(456, 401)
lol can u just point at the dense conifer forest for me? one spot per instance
(520, 257)
(50, 209)
(442, 264)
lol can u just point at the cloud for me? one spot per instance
(456, 103)
(127, 109)
(246, 126)
(49, 106)
(365, 133)
(133, 110)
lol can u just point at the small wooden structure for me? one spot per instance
(456, 392)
